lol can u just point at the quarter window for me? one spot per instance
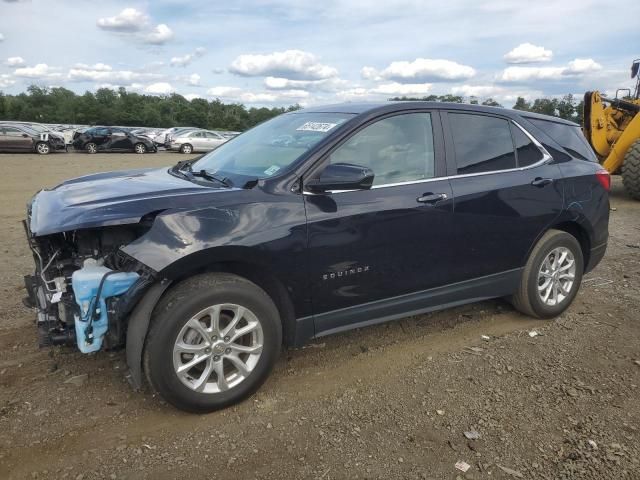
(398, 149)
(481, 143)
(527, 152)
(570, 137)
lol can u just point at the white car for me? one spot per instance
(197, 141)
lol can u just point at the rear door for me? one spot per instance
(506, 192)
(121, 141)
(213, 140)
(371, 245)
(102, 138)
(198, 141)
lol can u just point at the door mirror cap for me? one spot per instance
(342, 176)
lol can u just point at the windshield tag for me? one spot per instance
(316, 127)
(271, 170)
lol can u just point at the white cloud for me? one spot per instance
(293, 64)
(477, 90)
(110, 76)
(577, 67)
(188, 58)
(6, 80)
(160, 88)
(528, 53)
(41, 70)
(393, 89)
(98, 67)
(193, 80)
(421, 69)
(159, 35)
(14, 61)
(236, 94)
(325, 85)
(137, 24)
(128, 20)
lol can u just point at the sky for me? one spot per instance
(281, 52)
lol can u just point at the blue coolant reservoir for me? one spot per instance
(85, 283)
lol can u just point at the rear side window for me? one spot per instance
(528, 153)
(481, 143)
(570, 137)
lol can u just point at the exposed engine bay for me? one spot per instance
(84, 285)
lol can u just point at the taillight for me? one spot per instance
(604, 178)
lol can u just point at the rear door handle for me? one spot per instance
(541, 182)
(431, 198)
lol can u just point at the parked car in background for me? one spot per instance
(57, 138)
(312, 223)
(112, 139)
(23, 138)
(228, 134)
(196, 141)
(177, 131)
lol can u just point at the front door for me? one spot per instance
(121, 140)
(506, 193)
(372, 245)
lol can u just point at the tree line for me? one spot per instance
(123, 108)
(120, 107)
(566, 107)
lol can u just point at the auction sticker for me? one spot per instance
(271, 170)
(316, 127)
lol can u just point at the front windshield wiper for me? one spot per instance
(210, 176)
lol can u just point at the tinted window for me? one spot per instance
(570, 137)
(481, 143)
(397, 149)
(527, 152)
(101, 131)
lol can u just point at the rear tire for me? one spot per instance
(183, 330)
(631, 171)
(43, 148)
(554, 270)
(91, 148)
(186, 148)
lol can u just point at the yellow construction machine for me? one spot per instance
(612, 127)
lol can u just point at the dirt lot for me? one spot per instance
(392, 401)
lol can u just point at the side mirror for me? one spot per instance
(342, 176)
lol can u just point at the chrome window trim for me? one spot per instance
(546, 157)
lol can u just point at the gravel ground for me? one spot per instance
(392, 401)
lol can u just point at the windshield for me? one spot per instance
(272, 146)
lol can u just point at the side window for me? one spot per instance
(101, 131)
(570, 137)
(526, 150)
(212, 135)
(14, 132)
(481, 143)
(196, 135)
(398, 149)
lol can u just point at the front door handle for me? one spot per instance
(541, 182)
(431, 198)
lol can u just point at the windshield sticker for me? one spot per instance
(271, 170)
(316, 127)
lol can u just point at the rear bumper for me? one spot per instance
(595, 256)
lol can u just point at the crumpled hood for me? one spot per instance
(112, 198)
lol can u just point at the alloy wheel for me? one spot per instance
(556, 276)
(140, 148)
(218, 348)
(43, 148)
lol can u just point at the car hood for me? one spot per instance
(113, 198)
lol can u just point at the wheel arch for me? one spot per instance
(140, 318)
(580, 233)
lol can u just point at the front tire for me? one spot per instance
(214, 340)
(91, 148)
(43, 148)
(186, 148)
(631, 171)
(551, 277)
(140, 148)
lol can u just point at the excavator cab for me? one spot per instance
(612, 127)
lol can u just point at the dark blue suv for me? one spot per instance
(317, 221)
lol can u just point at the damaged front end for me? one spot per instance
(84, 286)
